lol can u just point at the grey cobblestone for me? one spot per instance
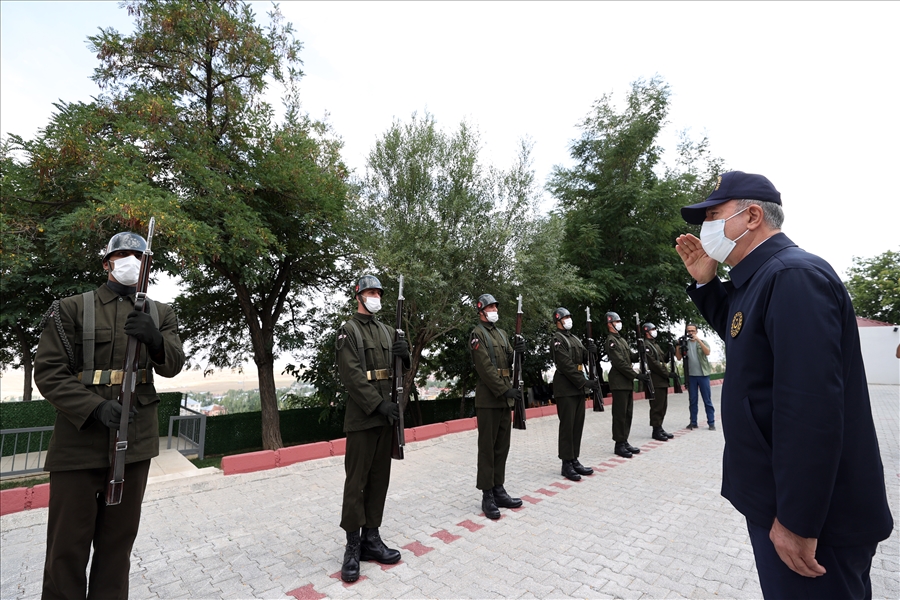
(651, 527)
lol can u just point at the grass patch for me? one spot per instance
(10, 484)
(209, 461)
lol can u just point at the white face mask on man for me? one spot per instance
(567, 323)
(618, 325)
(653, 333)
(713, 240)
(492, 316)
(125, 270)
(372, 304)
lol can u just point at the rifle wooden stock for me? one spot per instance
(642, 351)
(398, 436)
(116, 485)
(518, 379)
(593, 371)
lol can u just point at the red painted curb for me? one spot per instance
(40, 496)
(246, 463)
(12, 500)
(459, 425)
(294, 454)
(534, 413)
(549, 410)
(339, 447)
(426, 432)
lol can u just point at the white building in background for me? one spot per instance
(879, 343)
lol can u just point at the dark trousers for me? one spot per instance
(78, 518)
(570, 410)
(367, 465)
(701, 384)
(622, 410)
(847, 571)
(494, 428)
(658, 405)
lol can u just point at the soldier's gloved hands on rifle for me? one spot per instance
(592, 347)
(389, 409)
(109, 412)
(401, 348)
(645, 377)
(519, 345)
(140, 325)
(592, 384)
(513, 393)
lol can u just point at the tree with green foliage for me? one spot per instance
(621, 207)
(874, 287)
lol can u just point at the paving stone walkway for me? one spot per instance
(651, 527)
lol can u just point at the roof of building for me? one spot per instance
(861, 322)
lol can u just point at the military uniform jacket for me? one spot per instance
(656, 364)
(800, 441)
(568, 354)
(79, 441)
(491, 384)
(364, 395)
(621, 374)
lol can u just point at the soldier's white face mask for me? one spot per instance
(567, 323)
(713, 240)
(125, 270)
(373, 304)
(618, 325)
(492, 316)
(653, 333)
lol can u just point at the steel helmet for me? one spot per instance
(611, 317)
(561, 313)
(648, 327)
(368, 282)
(485, 300)
(126, 240)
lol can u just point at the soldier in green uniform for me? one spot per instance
(659, 374)
(494, 398)
(365, 347)
(570, 389)
(78, 369)
(621, 382)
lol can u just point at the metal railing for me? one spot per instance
(189, 431)
(23, 450)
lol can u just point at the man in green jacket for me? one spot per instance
(494, 398)
(621, 382)
(659, 374)
(570, 389)
(697, 371)
(365, 347)
(78, 369)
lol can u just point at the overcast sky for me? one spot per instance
(801, 93)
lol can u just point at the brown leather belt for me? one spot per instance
(115, 377)
(379, 374)
(503, 372)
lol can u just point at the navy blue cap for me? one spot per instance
(733, 185)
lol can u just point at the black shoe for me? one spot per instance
(489, 506)
(622, 450)
(659, 435)
(666, 433)
(503, 500)
(712, 427)
(691, 426)
(568, 471)
(632, 449)
(350, 568)
(373, 548)
(581, 469)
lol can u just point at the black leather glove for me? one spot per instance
(645, 377)
(513, 393)
(389, 409)
(519, 345)
(140, 325)
(592, 384)
(401, 348)
(109, 412)
(592, 348)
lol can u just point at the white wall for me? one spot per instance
(879, 347)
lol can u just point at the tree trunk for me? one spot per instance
(27, 359)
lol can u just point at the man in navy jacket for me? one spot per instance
(801, 458)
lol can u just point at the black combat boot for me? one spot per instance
(659, 435)
(632, 449)
(666, 433)
(350, 568)
(503, 500)
(581, 469)
(372, 548)
(622, 450)
(568, 471)
(489, 506)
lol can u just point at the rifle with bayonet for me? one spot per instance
(642, 351)
(676, 378)
(116, 485)
(518, 381)
(398, 435)
(593, 371)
